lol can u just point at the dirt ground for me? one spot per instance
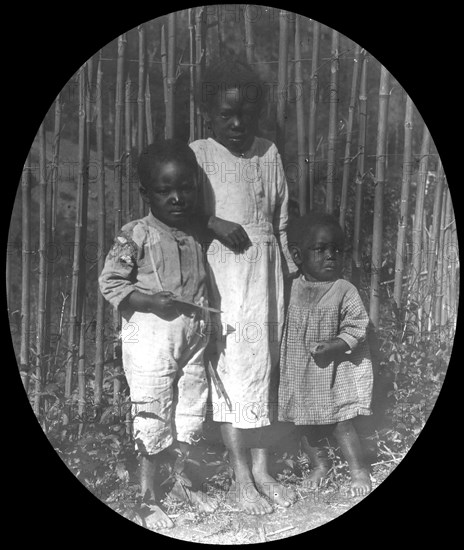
(227, 525)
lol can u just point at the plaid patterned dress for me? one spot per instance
(309, 394)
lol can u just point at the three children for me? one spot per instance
(240, 198)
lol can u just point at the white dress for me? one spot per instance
(247, 287)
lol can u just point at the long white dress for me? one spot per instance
(247, 287)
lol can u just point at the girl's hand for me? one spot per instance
(325, 352)
(229, 233)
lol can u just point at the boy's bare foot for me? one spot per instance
(360, 483)
(248, 499)
(274, 491)
(157, 519)
(199, 499)
(315, 477)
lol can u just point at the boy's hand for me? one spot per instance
(229, 233)
(325, 352)
(163, 304)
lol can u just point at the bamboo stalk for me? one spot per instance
(349, 136)
(164, 70)
(360, 170)
(314, 84)
(200, 57)
(434, 236)
(249, 42)
(81, 382)
(377, 236)
(282, 83)
(148, 113)
(141, 98)
(122, 41)
(101, 230)
(171, 76)
(25, 272)
(41, 305)
(52, 227)
(419, 217)
(302, 165)
(77, 275)
(440, 261)
(445, 266)
(333, 114)
(453, 261)
(404, 202)
(192, 107)
(127, 150)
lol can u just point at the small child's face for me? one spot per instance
(320, 257)
(234, 119)
(172, 195)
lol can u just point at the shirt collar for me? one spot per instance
(158, 224)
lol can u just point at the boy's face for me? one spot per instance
(320, 256)
(234, 118)
(172, 195)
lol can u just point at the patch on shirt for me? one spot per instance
(124, 249)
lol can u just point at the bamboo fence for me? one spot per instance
(139, 98)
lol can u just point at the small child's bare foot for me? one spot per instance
(274, 491)
(248, 499)
(157, 519)
(315, 477)
(199, 499)
(360, 483)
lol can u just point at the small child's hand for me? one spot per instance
(229, 233)
(325, 352)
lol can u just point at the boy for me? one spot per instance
(155, 260)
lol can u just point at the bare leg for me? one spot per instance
(244, 489)
(320, 464)
(148, 469)
(185, 491)
(350, 446)
(265, 483)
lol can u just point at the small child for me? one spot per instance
(244, 199)
(326, 373)
(155, 260)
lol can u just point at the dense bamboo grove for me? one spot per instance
(345, 150)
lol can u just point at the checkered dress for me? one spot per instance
(309, 394)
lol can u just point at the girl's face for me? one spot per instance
(172, 194)
(234, 119)
(320, 257)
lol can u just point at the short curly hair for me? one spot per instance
(163, 151)
(225, 74)
(299, 228)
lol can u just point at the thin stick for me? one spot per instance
(25, 272)
(164, 70)
(282, 82)
(419, 216)
(141, 98)
(148, 113)
(200, 29)
(40, 335)
(127, 149)
(377, 236)
(313, 112)
(333, 114)
(404, 204)
(360, 170)
(445, 266)
(440, 262)
(349, 136)
(77, 275)
(101, 229)
(171, 75)
(192, 108)
(249, 42)
(302, 165)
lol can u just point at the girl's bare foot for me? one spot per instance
(248, 499)
(197, 498)
(274, 491)
(315, 477)
(360, 483)
(157, 519)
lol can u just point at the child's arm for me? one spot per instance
(117, 278)
(281, 217)
(229, 233)
(353, 328)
